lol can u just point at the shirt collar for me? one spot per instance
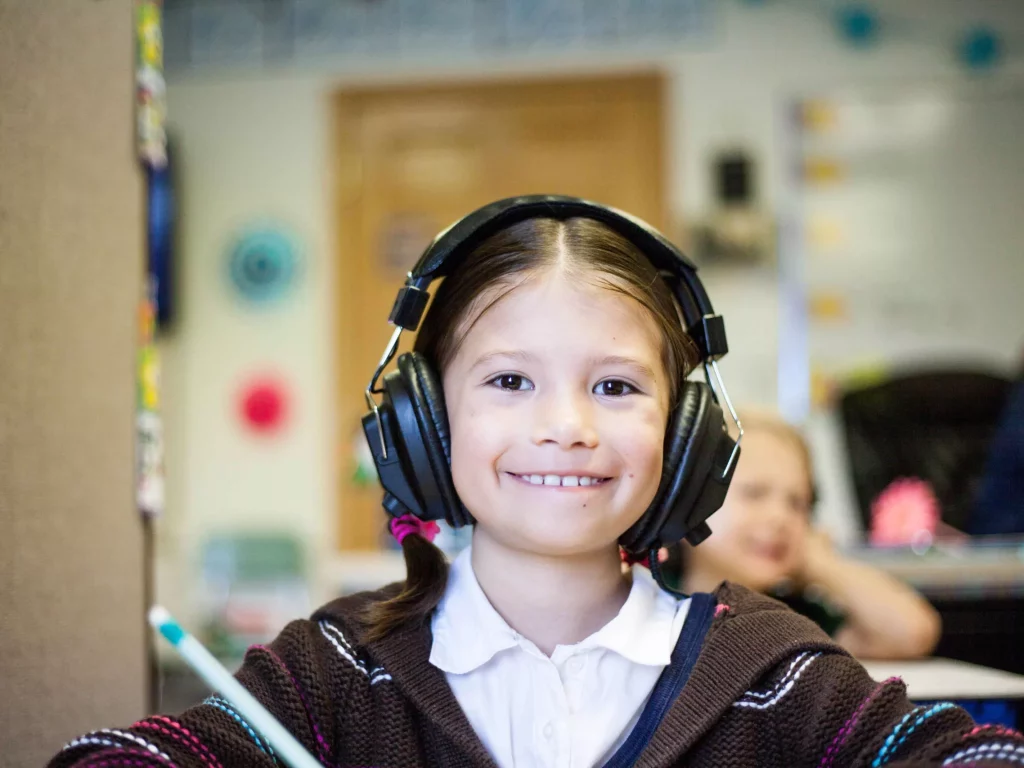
(642, 631)
(468, 632)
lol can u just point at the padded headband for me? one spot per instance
(462, 238)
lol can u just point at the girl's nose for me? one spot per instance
(566, 420)
(776, 510)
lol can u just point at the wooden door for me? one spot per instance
(412, 160)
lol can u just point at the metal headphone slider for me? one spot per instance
(722, 395)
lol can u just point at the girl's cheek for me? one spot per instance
(727, 518)
(645, 428)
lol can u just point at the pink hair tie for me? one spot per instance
(410, 524)
(644, 560)
(629, 559)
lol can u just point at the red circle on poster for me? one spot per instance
(264, 405)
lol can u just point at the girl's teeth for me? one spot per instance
(570, 481)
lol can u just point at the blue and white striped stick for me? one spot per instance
(218, 678)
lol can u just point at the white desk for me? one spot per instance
(972, 568)
(941, 679)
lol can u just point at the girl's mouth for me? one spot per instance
(769, 551)
(559, 480)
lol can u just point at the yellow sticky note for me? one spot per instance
(825, 233)
(823, 170)
(827, 307)
(823, 388)
(818, 116)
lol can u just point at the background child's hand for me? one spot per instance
(819, 556)
(884, 619)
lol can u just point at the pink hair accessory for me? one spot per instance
(410, 524)
(906, 512)
(628, 559)
(645, 560)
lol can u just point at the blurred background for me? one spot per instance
(848, 175)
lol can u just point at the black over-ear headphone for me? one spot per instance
(408, 431)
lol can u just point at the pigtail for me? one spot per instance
(426, 577)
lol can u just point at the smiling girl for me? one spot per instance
(548, 407)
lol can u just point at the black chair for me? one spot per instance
(938, 426)
(934, 425)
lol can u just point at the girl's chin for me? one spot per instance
(569, 544)
(554, 541)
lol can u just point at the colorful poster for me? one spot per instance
(150, 89)
(149, 443)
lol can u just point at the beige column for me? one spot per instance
(71, 256)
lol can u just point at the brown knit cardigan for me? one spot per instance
(768, 689)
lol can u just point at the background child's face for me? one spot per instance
(559, 379)
(760, 533)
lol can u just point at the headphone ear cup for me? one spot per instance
(693, 478)
(433, 468)
(641, 534)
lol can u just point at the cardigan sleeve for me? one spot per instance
(292, 677)
(829, 713)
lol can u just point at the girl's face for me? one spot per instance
(760, 533)
(557, 402)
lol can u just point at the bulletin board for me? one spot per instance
(903, 237)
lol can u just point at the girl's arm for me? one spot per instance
(885, 618)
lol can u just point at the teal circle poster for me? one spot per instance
(263, 264)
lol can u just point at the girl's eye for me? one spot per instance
(753, 491)
(614, 388)
(799, 505)
(512, 382)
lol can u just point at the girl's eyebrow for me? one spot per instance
(516, 355)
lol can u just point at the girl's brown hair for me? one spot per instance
(583, 248)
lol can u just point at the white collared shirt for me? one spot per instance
(572, 710)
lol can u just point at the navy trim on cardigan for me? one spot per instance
(670, 682)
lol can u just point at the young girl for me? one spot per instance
(764, 540)
(560, 355)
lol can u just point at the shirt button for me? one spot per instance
(549, 731)
(575, 664)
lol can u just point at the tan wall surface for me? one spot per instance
(71, 238)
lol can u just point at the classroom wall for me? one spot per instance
(254, 151)
(71, 249)
(257, 143)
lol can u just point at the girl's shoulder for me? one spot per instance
(329, 650)
(750, 610)
(754, 639)
(330, 643)
(350, 610)
(347, 616)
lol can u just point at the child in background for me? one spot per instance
(764, 539)
(559, 359)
